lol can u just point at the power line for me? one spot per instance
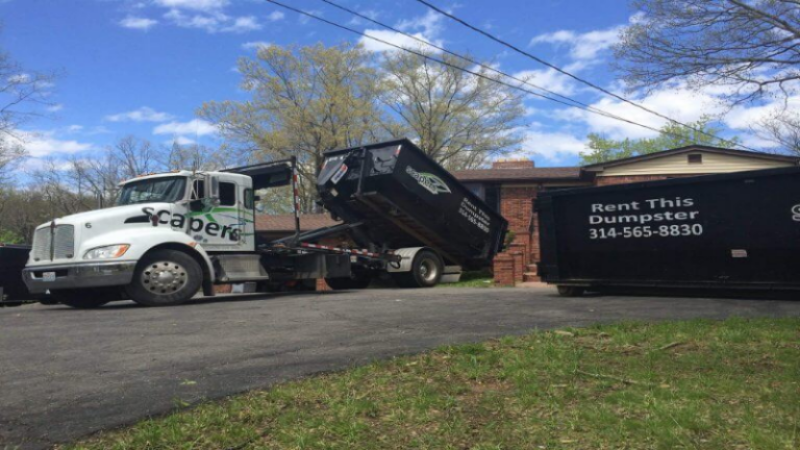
(577, 103)
(477, 74)
(449, 52)
(573, 76)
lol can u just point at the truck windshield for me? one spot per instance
(167, 190)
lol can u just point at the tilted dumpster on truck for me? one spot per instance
(729, 231)
(403, 199)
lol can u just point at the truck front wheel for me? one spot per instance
(165, 278)
(426, 271)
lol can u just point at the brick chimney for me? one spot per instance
(513, 164)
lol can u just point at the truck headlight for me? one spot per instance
(107, 252)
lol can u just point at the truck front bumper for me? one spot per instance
(77, 276)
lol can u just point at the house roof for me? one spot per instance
(688, 149)
(533, 174)
(285, 222)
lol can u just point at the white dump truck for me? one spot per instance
(173, 234)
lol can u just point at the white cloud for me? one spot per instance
(242, 25)
(213, 21)
(583, 46)
(392, 37)
(181, 140)
(549, 79)
(255, 45)
(55, 108)
(19, 78)
(39, 144)
(744, 116)
(554, 147)
(275, 16)
(195, 5)
(194, 127)
(138, 23)
(304, 19)
(210, 23)
(143, 114)
(586, 46)
(371, 13)
(430, 24)
(426, 28)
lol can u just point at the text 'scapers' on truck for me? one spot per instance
(173, 234)
(732, 231)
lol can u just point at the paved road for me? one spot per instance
(66, 373)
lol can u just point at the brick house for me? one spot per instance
(511, 187)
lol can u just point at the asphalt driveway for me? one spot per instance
(66, 373)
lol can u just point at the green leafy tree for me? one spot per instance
(458, 119)
(602, 149)
(304, 101)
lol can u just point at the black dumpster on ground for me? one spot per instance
(12, 260)
(731, 231)
(402, 198)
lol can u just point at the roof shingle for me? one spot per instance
(533, 174)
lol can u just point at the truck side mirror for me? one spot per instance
(212, 187)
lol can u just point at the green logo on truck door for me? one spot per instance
(429, 181)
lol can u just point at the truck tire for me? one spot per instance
(165, 278)
(356, 281)
(79, 298)
(570, 291)
(426, 271)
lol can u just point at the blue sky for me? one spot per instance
(143, 67)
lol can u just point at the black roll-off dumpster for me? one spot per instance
(402, 198)
(12, 261)
(729, 231)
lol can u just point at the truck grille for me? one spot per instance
(55, 243)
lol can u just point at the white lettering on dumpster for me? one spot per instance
(650, 218)
(475, 215)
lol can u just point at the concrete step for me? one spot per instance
(532, 268)
(530, 276)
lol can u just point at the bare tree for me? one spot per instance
(458, 119)
(198, 157)
(100, 176)
(22, 94)
(750, 48)
(751, 45)
(781, 127)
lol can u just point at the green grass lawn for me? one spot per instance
(480, 279)
(679, 385)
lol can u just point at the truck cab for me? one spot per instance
(156, 242)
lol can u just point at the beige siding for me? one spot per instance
(677, 164)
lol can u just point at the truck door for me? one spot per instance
(226, 227)
(221, 224)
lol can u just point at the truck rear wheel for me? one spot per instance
(165, 278)
(80, 298)
(426, 271)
